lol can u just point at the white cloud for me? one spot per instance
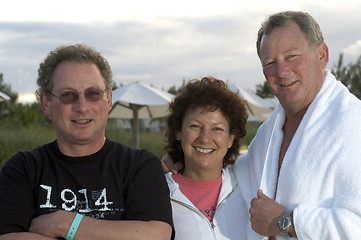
(108, 11)
(85, 11)
(354, 49)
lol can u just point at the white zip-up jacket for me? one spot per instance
(230, 219)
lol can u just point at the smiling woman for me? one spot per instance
(206, 122)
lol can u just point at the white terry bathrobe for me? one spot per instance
(320, 178)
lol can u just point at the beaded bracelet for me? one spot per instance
(74, 226)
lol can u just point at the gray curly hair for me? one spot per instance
(76, 53)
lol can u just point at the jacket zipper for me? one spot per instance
(211, 224)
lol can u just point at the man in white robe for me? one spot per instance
(306, 158)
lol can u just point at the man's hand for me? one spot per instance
(264, 215)
(169, 166)
(54, 225)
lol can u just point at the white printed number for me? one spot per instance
(47, 204)
(102, 201)
(69, 204)
(70, 201)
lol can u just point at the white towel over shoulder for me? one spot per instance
(320, 178)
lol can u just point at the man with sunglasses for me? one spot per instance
(82, 185)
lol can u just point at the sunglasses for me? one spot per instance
(71, 96)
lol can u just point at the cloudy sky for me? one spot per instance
(161, 42)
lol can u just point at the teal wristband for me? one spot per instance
(74, 226)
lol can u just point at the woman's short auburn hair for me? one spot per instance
(211, 94)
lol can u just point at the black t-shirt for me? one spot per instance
(115, 183)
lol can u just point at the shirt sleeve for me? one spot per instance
(148, 194)
(16, 196)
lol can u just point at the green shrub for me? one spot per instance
(152, 141)
(15, 137)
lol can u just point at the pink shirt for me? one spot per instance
(203, 194)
